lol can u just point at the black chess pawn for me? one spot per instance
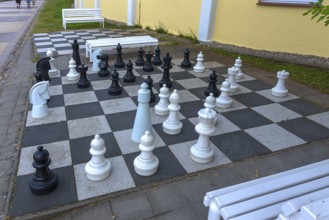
(140, 57)
(186, 62)
(115, 88)
(149, 82)
(157, 60)
(166, 66)
(119, 63)
(148, 67)
(129, 77)
(212, 87)
(44, 180)
(103, 65)
(76, 54)
(83, 81)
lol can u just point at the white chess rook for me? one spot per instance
(162, 107)
(39, 94)
(95, 67)
(73, 74)
(53, 70)
(224, 100)
(211, 103)
(202, 152)
(98, 168)
(199, 67)
(280, 89)
(172, 125)
(142, 121)
(238, 65)
(231, 79)
(146, 164)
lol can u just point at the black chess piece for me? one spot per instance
(76, 54)
(140, 57)
(148, 67)
(44, 180)
(157, 60)
(129, 77)
(149, 82)
(212, 87)
(83, 81)
(166, 66)
(103, 65)
(186, 62)
(38, 75)
(115, 88)
(119, 63)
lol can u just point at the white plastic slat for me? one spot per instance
(318, 210)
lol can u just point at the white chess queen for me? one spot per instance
(39, 94)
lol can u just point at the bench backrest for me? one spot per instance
(84, 12)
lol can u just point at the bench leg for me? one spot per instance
(213, 213)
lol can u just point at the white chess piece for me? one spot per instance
(146, 164)
(98, 168)
(202, 152)
(53, 70)
(199, 67)
(162, 107)
(172, 125)
(224, 100)
(39, 94)
(73, 74)
(142, 121)
(231, 79)
(211, 103)
(95, 66)
(280, 89)
(238, 65)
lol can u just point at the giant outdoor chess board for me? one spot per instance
(256, 124)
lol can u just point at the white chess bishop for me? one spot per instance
(162, 107)
(53, 70)
(224, 100)
(238, 65)
(199, 67)
(39, 94)
(146, 164)
(234, 87)
(73, 74)
(98, 168)
(172, 125)
(202, 152)
(280, 89)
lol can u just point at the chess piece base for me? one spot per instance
(234, 88)
(53, 72)
(129, 80)
(199, 69)
(98, 172)
(202, 155)
(39, 111)
(72, 77)
(223, 103)
(279, 92)
(114, 91)
(83, 85)
(103, 73)
(148, 69)
(44, 187)
(146, 167)
(172, 128)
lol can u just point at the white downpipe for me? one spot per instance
(97, 4)
(81, 4)
(207, 19)
(131, 12)
(75, 3)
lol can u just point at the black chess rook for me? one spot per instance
(83, 81)
(148, 67)
(186, 61)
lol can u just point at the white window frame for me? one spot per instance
(300, 2)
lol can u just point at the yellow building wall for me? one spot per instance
(88, 3)
(177, 16)
(114, 10)
(271, 28)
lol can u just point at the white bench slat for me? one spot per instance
(82, 15)
(212, 194)
(318, 210)
(270, 212)
(273, 198)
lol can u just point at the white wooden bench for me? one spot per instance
(125, 42)
(81, 15)
(263, 198)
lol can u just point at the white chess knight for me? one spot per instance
(146, 164)
(238, 65)
(234, 87)
(39, 94)
(172, 125)
(95, 66)
(73, 74)
(162, 107)
(210, 102)
(224, 100)
(53, 70)
(98, 168)
(199, 67)
(202, 152)
(280, 89)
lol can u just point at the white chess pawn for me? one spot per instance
(231, 79)
(172, 125)
(280, 89)
(199, 67)
(73, 74)
(202, 152)
(211, 103)
(238, 65)
(162, 107)
(53, 70)
(224, 100)
(146, 164)
(95, 67)
(98, 168)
